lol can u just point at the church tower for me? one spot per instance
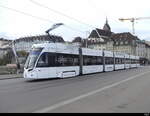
(106, 26)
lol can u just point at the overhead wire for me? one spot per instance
(60, 13)
(37, 17)
(27, 14)
(65, 15)
(92, 5)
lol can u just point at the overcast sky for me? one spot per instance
(91, 14)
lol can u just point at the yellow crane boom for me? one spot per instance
(133, 21)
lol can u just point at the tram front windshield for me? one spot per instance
(32, 58)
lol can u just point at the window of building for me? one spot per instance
(117, 43)
(121, 43)
(127, 42)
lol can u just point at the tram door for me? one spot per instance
(46, 66)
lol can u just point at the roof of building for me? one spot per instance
(147, 43)
(106, 26)
(95, 33)
(106, 31)
(77, 39)
(124, 36)
(41, 37)
(118, 38)
(2, 39)
(4, 43)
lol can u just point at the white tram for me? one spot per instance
(51, 60)
(57, 60)
(108, 61)
(127, 61)
(119, 60)
(137, 61)
(92, 61)
(133, 61)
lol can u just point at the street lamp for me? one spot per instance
(54, 26)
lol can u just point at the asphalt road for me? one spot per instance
(123, 91)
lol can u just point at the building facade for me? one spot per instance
(124, 42)
(148, 51)
(100, 38)
(104, 39)
(141, 49)
(130, 44)
(77, 41)
(4, 46)
(25, 43)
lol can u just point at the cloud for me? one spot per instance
(92, 12)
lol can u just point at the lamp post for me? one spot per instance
(54, 26)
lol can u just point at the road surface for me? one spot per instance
(123, 91)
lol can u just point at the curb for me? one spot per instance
(10, 78)
(4, 77)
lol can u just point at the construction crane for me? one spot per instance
(132, 20)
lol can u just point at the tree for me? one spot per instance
(7, 58)
(22, 53)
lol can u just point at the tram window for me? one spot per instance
(131, 61)
(46, 60)
(109, 60)
(119, 61)
(43, 60)
(123, 61)
(67, 60)
(116, 61)
(51, 59)
(127, 61)
(60, 59)
(76, 60)
(139, 61)
(86, 60)
(99, 60)
(134, 61)
(92, 60)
